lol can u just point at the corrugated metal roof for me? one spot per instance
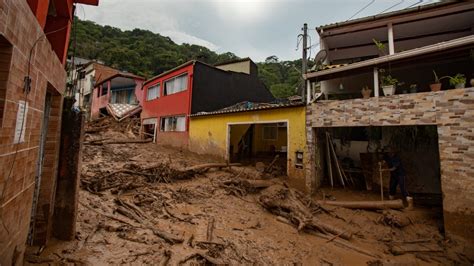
(249, 106)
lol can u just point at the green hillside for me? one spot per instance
(145, 53)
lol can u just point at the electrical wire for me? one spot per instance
(397, 4)
(415, 4)
(362, 9)
(298, 41)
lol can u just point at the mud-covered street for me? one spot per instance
(146, 204)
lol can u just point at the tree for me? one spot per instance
(145, 53)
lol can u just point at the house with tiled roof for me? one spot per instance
(272, 134)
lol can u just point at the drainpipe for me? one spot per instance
(391, 44)
(308, 92)
(376, 82)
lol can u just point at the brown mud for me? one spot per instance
(138, 205)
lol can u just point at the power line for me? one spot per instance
(415, 4)
(362, 9)
(399, 3)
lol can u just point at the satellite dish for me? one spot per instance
(320, 58)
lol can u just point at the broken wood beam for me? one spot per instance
(368, 205)
(95, 129)
(119, 141)
(170, 238)
(210, 229)
(346, 244)
(269, 167)
(210, 165)
(331, 229)
(409, 248)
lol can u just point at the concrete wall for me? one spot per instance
(209, 134)
(20, 29)
(452, 111)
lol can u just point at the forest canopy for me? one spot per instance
(145, 53)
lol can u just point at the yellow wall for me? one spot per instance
(208, 134)
(265, 145)
(237, 132)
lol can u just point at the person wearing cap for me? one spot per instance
(397, 176)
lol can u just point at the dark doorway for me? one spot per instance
(259, 142)
(361, 155)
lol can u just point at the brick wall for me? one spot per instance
(19, 30)
(453, 113)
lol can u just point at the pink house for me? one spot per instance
(119, 95)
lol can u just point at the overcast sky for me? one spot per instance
(254, 28)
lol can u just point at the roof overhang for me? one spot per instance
(88, 2)
(169, 71)
(122, 75)
(395, 17)
(251, 109)
(464, 41)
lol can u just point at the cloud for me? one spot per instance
(254, 28)
(161, 17)
(182, 37)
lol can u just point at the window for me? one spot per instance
(5, 60)
(270, 132)
(105, 88)
(173, 123)
(176, 84)
(153, 92)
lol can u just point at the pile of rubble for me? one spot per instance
(149, 204)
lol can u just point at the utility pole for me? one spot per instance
(304, 63)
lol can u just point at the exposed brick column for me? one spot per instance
(66, 201)
(310, 181)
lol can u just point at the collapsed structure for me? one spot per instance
(84, 76)
(119, 95)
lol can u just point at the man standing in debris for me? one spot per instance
(397, 176)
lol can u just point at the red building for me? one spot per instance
(192, 88)
(34, 38)
(122, 92)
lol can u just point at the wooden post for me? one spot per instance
(381, 180)
(69, 172)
